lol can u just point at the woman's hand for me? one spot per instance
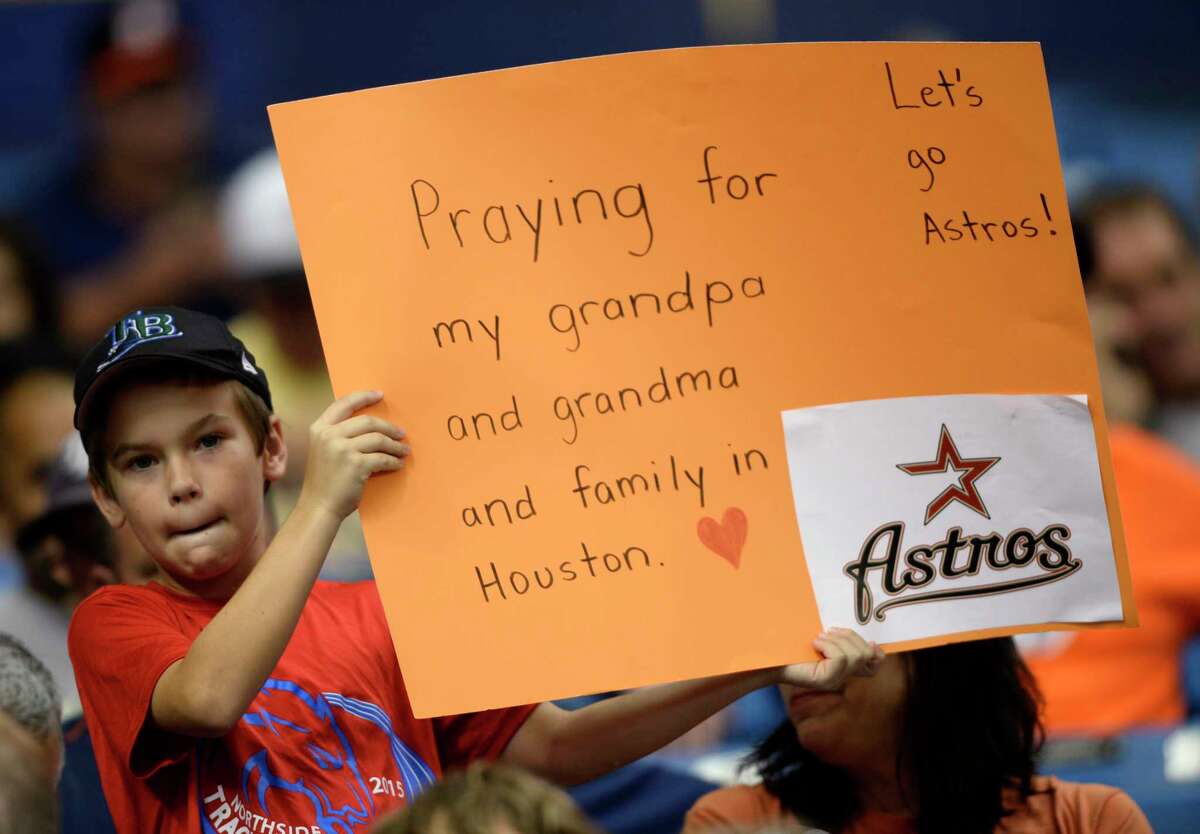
(844, 653)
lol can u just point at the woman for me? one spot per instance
(939, 741)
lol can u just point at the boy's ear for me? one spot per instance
(274, 451)
(107, 504)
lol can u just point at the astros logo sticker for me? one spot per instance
(957, 561)
(137, 330)
(969, 469)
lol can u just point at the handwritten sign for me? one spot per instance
(591, 289)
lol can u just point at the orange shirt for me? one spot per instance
(1054, 808)
(1104, 681)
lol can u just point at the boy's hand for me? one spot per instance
(844, 653)
(345, 450)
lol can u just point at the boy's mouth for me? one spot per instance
(198, 529)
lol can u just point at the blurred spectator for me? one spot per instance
(1107, 681)
(940, 739)
(36, 408)
(81, 553)
(76, 548)
(132, 223)
(489, 799)
(1128, 395)
(26, 796)
(28, 305)
(29, 697)
(1110, 680)
(1142, 269)
(280, 329)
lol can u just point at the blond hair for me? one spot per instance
(488, 798)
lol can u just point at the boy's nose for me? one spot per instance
(183, 483)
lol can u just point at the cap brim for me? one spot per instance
(105, 378)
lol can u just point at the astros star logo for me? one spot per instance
(969, 469)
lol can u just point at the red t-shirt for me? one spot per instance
(329, 744)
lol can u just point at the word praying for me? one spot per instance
(499, 222)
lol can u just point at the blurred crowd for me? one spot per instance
(138, 220)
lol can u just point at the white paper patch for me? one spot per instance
(923, 516)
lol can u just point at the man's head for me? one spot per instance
(35, 408)
(146, 117)
(70, 543)
(1141, 260)
(27, 801)
(176, 420)
(30, 699)
(490, 799)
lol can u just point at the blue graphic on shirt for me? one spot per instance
(316, 760)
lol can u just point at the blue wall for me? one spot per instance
(1125, 84)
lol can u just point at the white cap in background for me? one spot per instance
(256, 220)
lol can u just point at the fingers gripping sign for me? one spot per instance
(347, 448)
(843, 654)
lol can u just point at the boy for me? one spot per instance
(239, 694)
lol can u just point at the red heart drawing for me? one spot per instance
(727, 538)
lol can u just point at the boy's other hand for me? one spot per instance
(844, 653)
(344, 450)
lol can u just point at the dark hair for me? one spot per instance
(84, 534)
(20, 358)
(968, 742)
(33, 273)
(86, 540)
(1115, 199)
(253, 409)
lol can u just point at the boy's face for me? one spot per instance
(186, 479)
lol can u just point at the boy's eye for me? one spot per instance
(140, 462)
(210, 441)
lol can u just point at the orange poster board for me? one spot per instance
(588, 290)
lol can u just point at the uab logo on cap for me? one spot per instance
(137, 329)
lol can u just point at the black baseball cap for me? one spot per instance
(165, 334)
